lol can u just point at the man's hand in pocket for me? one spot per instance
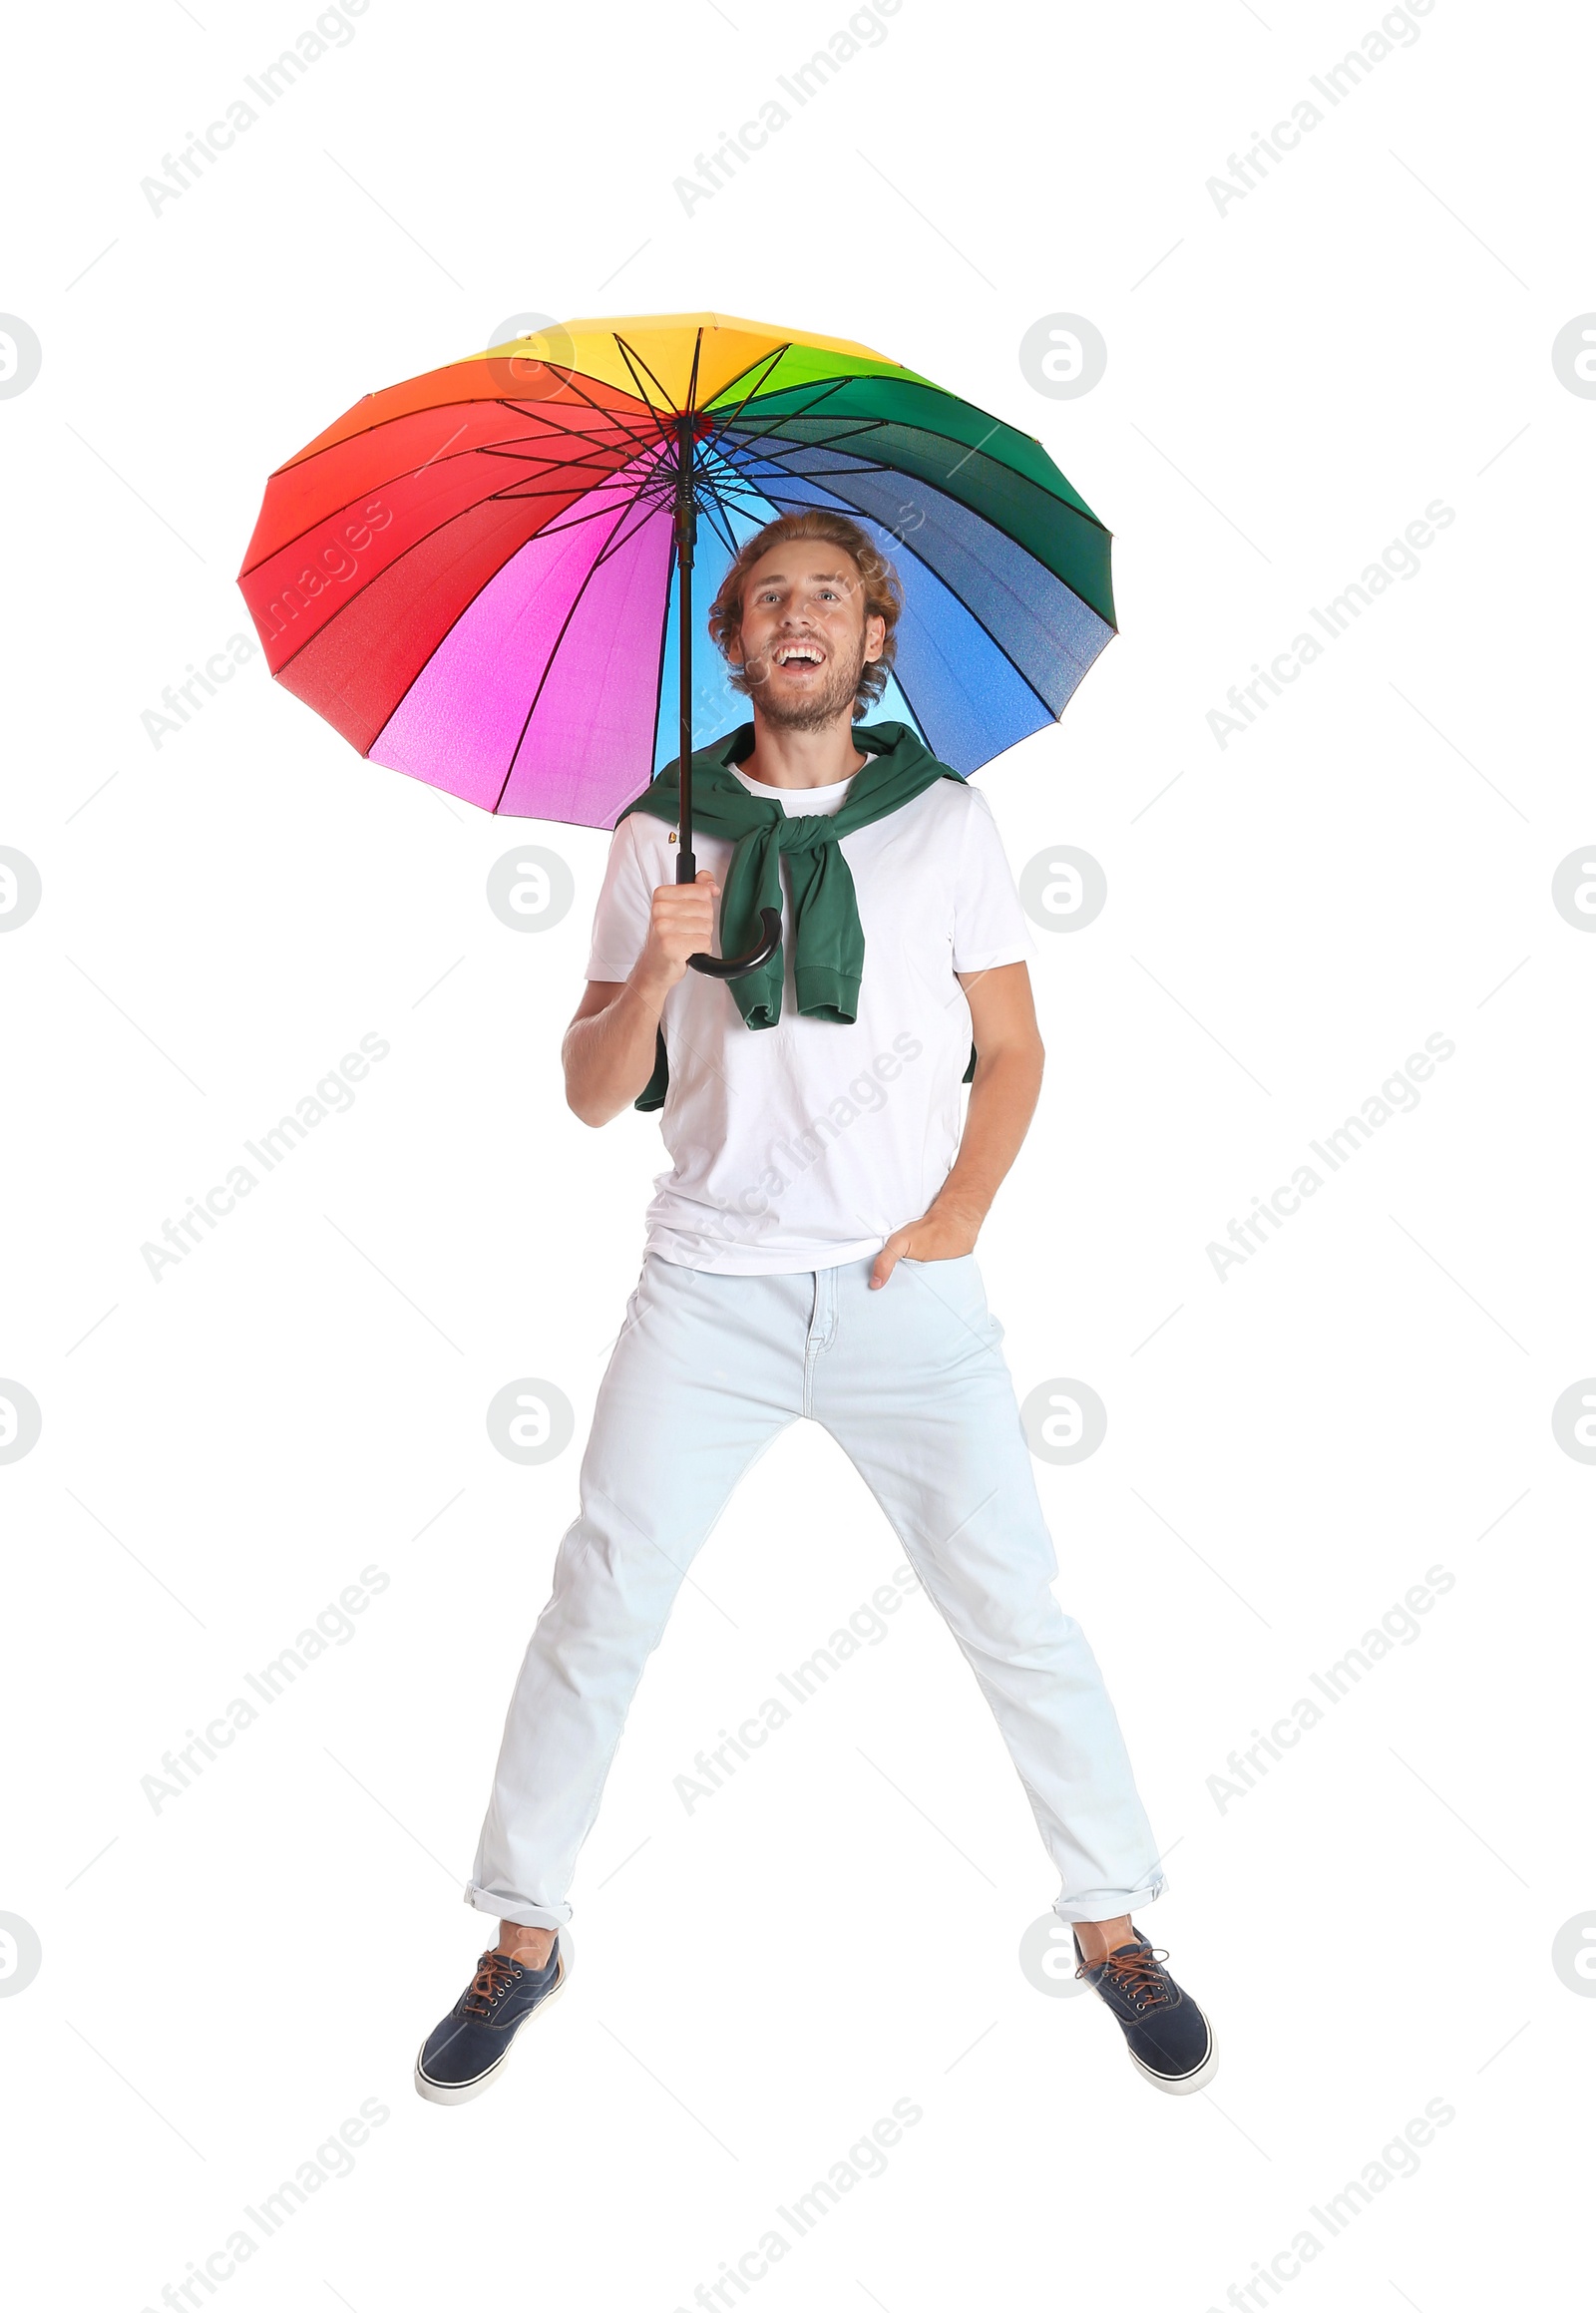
(946, 1233)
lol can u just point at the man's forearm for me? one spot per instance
(1002, 1100)
(610, 1057)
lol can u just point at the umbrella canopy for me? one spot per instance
(477, 577)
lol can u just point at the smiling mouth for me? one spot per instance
(795, 658)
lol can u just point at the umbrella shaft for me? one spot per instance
(686, 534)
(686, 865)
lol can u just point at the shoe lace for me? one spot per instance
(1138, 1973)
(496, 1973)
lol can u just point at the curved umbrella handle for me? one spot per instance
(733, 967)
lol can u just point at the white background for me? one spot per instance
(1288, 383)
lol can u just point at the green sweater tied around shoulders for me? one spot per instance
(828, 941)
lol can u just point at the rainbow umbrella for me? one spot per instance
(483, 577)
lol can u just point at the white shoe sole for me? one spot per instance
(1190, 2081)
(444, 2092)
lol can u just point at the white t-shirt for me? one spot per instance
(807, 1144)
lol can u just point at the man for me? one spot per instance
(811, 1254)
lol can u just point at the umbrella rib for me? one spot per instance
(613, 545)
(636, 492)
(750, 445)
(572, 433)
(823, 473)
(554, 653)
(497, 498)
(464, 611)
(554, 448)
(945, 485)
(722, 485)
(506, 401)
(534, 485)
(767, 361)
(720, 510)
(551, 452)
(537, 413)
(578, 465)
(550, 530)
(773, 427)
(760, 361)
(826, 389)
(853, 431)
(628, 356)
(595, 514)
(743, 483)
(936, 434)
(718, 519)
(784, 446)
(641, 440)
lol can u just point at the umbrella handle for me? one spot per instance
(733, 967)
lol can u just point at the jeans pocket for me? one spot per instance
(960, 1286)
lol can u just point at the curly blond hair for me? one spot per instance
(884, 594)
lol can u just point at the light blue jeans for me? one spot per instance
(911, 1384)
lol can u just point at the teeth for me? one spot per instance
(798, 652)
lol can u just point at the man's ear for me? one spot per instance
(875, 638)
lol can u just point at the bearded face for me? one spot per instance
(805, 637)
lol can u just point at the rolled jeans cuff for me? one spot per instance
(538, 1915)
(1110, 1903)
